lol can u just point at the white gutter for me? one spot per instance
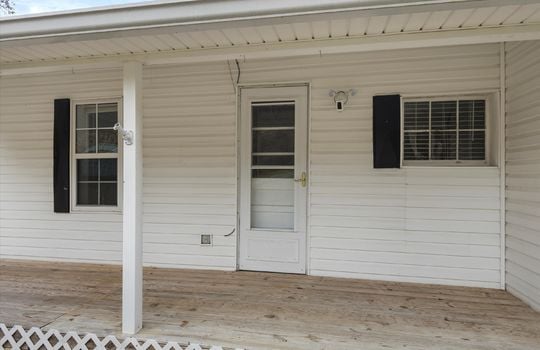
(162, 14)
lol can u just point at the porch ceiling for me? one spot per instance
(239, 34)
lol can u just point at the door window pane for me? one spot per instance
(265, 115)
(273, 141)
(272, 166)
(273, 173)
(273, 159)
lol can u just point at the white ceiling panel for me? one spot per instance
(155, 43)
(285, 32)
(457, 18)
(134, 44)
(302, 31)
(416, 21)
(251, 35)
(522, 13)
(111, 47)
(171, 41)
(44, 52)
(396, 23)
(500, 15)
(268, 34)
(376, 25)
(534, 18)
(339, 28)
(436, 20)
(202, 39)
(321, 29)
(358, 26)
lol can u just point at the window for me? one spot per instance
(445, 131)
(95, 155)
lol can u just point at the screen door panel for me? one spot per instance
(272, 165)
(273, 185)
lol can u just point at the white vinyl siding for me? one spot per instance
(189, 160)
(434, 225)
(523, 171)
(29, 228)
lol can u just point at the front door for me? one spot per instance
(273, 178)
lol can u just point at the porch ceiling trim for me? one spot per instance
(290, 49)
(187, 31)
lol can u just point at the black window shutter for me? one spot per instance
(386, 131)
(61, 155)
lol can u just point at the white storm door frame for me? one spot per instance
(248, 235)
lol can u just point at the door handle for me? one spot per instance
(302, 179)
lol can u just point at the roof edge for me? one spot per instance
(178, 12)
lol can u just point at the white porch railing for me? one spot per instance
(17, 337)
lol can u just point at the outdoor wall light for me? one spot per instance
(341, 98)
(127, 135)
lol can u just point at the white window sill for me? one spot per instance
(447, 166)
(97, 210)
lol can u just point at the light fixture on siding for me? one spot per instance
(127, 135)
(341, 98)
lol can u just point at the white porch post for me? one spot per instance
(132, 276)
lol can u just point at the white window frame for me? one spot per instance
(449, 163)
(74, 156)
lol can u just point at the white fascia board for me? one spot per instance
(292, 49)
(163, 14)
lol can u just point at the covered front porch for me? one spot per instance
(267, 310)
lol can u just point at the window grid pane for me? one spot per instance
(96, 154)
(97, 181)
(94, 128)
(444, 130)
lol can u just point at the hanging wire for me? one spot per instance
(231, 75)
(237, 67)
(235, 84)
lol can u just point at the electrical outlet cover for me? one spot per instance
(206, 239)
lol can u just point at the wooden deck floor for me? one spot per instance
(268, 311)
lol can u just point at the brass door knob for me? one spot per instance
(302, 179)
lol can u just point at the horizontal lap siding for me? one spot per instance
(433, 225)
(523, 171)
(189, 166)
(29, 229)
(414, 224)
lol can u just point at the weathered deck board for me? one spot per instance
(268, 311)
